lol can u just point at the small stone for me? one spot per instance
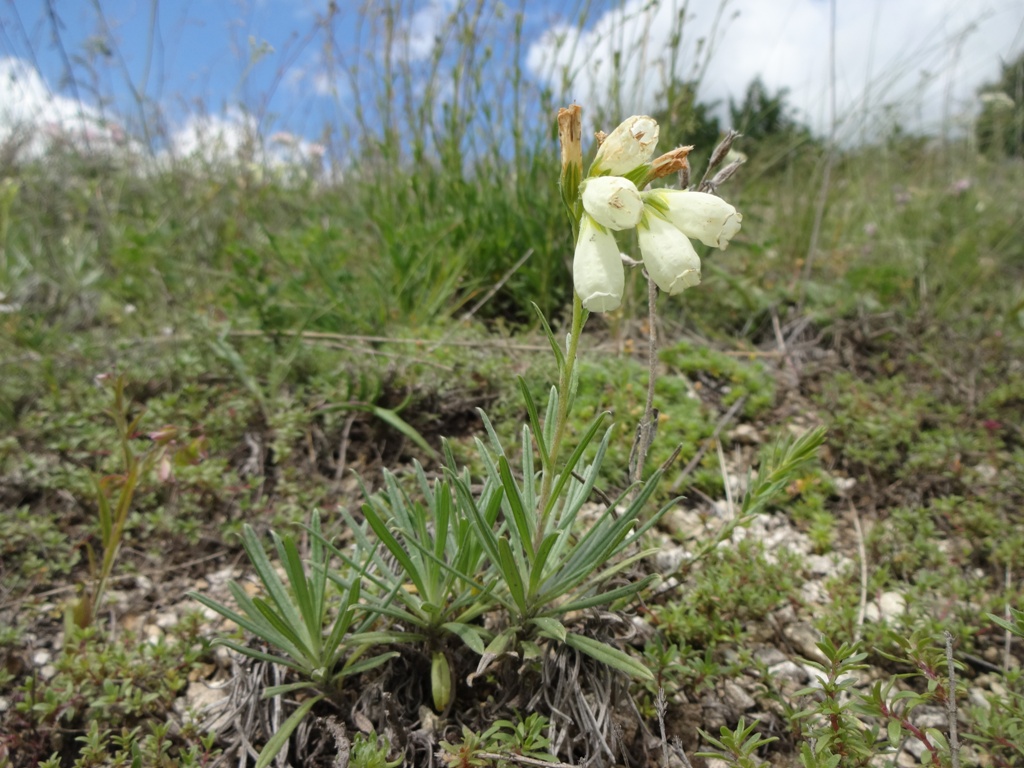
(915, 747)
(930, 717)
(906, 760)
(986, 472)
(166, 620)
(843, 485)
(41, 658)
(668, 559)
(430, 722)
(788, 671)
(203, 701)
(201, 672)
(977, 698)
(48, 672)
(890, 606)
(820, 565)
(716, 714)
(769, 656)
(745, 434)
(805, 638)
(737, 699)
(687, 523)
(222, 657)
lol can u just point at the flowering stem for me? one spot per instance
(648, 426)
(565, 398)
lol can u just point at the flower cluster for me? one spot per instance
(665, 219)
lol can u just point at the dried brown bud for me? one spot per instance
(722, 149)
(570, 136)
(671, 162)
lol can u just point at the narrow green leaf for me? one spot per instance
(574, 458)
(605, 598)
(551, 418)
(549, 627)
(394, 546)
(306, 653)
(261, 656)
(266, 573)
(256, 626)
(510, 572)
(613, 657)
(365, 665)
(397, 422)
(491, 434)
(500, 642)
(469, 634)
(535, 424)
(312, 615)
(279, 740)
(555, 346)
(540, 561)
(520, 517)
(276, 690)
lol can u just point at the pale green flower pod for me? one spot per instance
(707, 218)
(669, 257)
(597, 271)
(627, 147)
(613, 201)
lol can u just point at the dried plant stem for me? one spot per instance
(819, 212)
(954, 740)
(648, 426)
(521, 760)
(1007, 636)
(497, 286)
(863, 556)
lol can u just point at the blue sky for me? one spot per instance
(920, 60)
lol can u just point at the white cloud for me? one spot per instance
(915, 61)
(35, 118)
(423, 29)
(234, 137)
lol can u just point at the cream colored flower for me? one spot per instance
(669, 257)
(626, 148)
(697, 214)
(613, 201)
(597, 271)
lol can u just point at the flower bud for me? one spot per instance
(697, 214)
(613, 201)
(669, 257)
(597, 271)
(627, 147)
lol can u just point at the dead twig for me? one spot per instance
(954, 740)
(863, 556)
(692, 465)
(521, 760)
(497, 286)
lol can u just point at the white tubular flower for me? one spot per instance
(597, 271)
(613, 201)
(669, 257)
(627, 147)
(697, 214)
